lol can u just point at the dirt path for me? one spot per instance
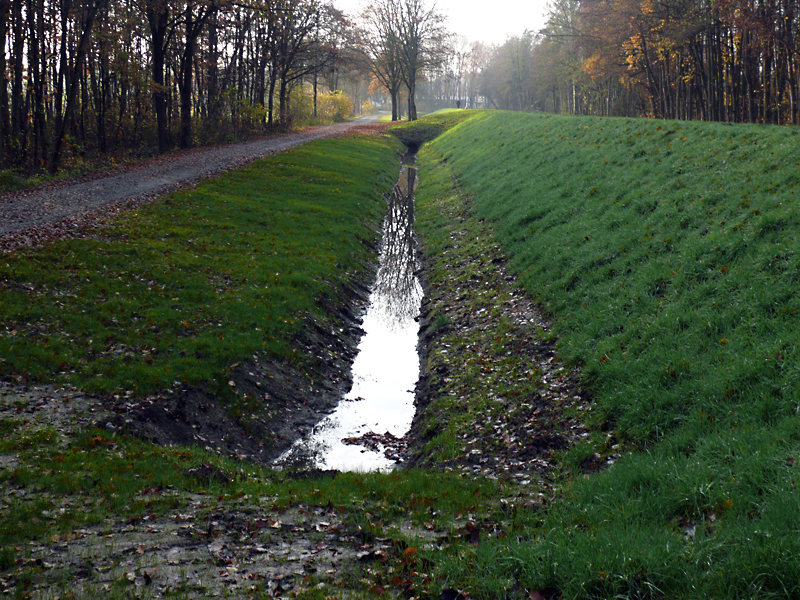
(56, 210)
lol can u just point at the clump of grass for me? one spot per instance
(11, 181)
(667, 254)
(185, 287)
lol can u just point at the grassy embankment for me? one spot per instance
(667, 255)
(183, 288)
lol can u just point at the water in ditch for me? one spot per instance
(365, 430)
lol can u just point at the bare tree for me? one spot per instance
(423, 44)
(194, 19)
(5, 122)
(91, 11)
(383, 45)
(405, 39)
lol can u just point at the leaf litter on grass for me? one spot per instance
(494, 400)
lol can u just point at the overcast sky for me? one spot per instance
(488, 21)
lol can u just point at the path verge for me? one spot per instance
(62, 209)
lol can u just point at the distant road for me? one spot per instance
(30, 217)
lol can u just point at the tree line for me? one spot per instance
(714, 60)
(109, 76)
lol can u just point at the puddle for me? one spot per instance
(363, 433)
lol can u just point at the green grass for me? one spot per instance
(82, 484)
(667, 256)
(183, 288)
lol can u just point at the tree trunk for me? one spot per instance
(63, 68)
(5, 123)
(273, 81)
(283, 94)
(194, 26)
(315, 94)
(185, 84)
(39, 63)
(212, 92)
(17, 99)
(412, 103)
(34, 81)
(395, 100)
(159, 20)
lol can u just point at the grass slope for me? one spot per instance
(667, 254)
(183, 288)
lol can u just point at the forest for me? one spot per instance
(117, 77)
(723, 60)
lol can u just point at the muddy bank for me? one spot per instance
(278, 401)
(486, 351)
(272, 402)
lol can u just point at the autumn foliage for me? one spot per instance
(728, 60)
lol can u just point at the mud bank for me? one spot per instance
(274, 402)
(493, 398)
(280, 402)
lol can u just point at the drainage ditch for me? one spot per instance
(366, 430)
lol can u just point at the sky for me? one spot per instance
(489, 21)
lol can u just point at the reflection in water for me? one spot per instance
(397, 291)
(386, 368)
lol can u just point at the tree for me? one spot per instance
(423, 44)
(91, 11)
(161, 30)
(405, 38)
(382, 41)
(294, 23)
(194, 19)
(5, 122)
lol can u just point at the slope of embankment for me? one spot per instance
(667, 256)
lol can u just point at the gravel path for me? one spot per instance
(32, 217)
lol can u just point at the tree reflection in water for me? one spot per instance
(362, 433)
(397, 289)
